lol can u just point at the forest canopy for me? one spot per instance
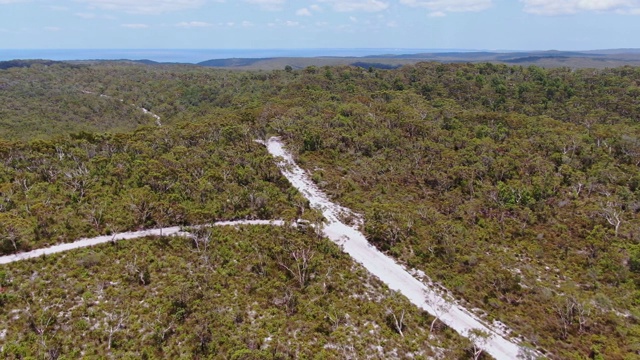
(517, 188)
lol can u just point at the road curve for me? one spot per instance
(167, 231)
(351, 240)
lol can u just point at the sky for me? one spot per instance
(300, 24)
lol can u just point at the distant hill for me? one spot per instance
(25, 63)
(548, 59)
(607, 58)
(233, 62)
(147, 62)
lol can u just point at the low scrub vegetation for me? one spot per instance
(226, 293)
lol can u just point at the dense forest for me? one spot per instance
(517, 188)
(61, 190)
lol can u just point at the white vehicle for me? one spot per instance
(303, 224)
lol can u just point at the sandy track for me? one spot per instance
(384, 267)
(168, 231)
(351, 240)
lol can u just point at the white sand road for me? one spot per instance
(391, 273)
(168, 231)
(353, 242)
(145, 111)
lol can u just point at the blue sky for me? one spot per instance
(238, 24)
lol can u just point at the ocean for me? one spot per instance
(194, 55)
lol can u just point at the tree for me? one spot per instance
(138, 273)
(613, 214)
(570, 312)
(13, 233)
(301, 265)
(397, 321)
(78, 180)
(439, 305)
(201, 239)
(44, 325)
(631, 148)
(479, 340)
(113, 323)
(596, 241)
(142, 203)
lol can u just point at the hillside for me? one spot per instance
(233, 299)
(60, 190)
(598, 59)
(516, 188)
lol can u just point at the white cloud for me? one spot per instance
(247, 24)
(564, 7)
(272, 5)
(439, 8)
(308, 11)
(278, 23)
(86, 15)
(89, 16)
(135, 26)
(143, 6)
(357, 5)
(193, 24)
